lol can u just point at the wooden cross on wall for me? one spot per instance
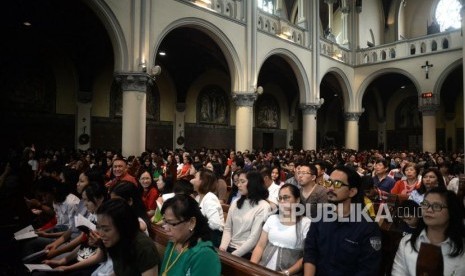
(426, 67)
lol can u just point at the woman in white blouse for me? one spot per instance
(246, 216)
(205, 185)
(442, 226)
(280, 246)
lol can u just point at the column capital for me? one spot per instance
(244, 98)
(310, 108)
(429, 109)
(428, 106)
(133, 81)
(352, 116)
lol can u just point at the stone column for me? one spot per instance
(429, 126)
(302, 6)
(134, 88)
(462, 13)
(309, 126)
(279, 11)
(330, 12)
(290, 133)
(345, 9)
(244, 120)
(351, 128)
(179, 121)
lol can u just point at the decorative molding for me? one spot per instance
(244, 99)
(352, 116)
(429, 109)
(310, 109)
(134, 81)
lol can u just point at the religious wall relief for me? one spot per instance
(212, 106)
(152, 99)
(407, 114)
(267, 112)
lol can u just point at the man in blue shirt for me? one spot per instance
(347, 244)
(381, 179)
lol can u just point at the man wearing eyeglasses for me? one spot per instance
(341, 246)
(311, 194)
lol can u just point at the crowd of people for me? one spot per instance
(279, 205)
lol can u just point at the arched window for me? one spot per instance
(412, 49)
(423, 48)
(266, 5)
(434, 45)
(448, 14)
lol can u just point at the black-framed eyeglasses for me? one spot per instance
(302, 173)
(336, 183)
(173, 224)
(283, 198)
(436, 207)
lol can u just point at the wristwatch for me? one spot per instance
(286, 272)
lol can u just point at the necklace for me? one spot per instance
(168, 265)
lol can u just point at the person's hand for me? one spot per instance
(222, 249)
(51, 246)
(55, 263)
(63, 268)
(36, 211)
(43, 234)
(94, 238)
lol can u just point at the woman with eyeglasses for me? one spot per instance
(246, 216)
(150, 192)
(430, 178)
(280, 246)
(441, 226)
(189, 251)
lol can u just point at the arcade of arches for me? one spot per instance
(233, 75)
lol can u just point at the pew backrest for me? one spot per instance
(230, 264)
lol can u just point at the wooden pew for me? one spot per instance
(225, 208)
(230, 265)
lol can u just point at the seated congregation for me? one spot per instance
(172, 214)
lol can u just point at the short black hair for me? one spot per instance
(184, 207)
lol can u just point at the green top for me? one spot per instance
(202, 260)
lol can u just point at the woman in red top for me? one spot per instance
(150, 193)
(407, 184)
(186, 168)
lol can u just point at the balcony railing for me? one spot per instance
(276, 26)
(407, 48)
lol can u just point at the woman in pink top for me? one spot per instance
(407, 184)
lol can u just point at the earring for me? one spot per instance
(191, 229)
